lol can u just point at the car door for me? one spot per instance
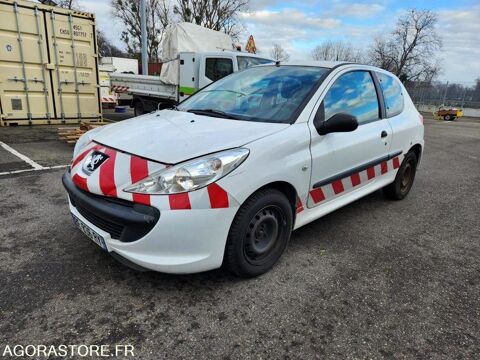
(344, 161)
(214, 68)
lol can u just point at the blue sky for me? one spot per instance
(300, 25)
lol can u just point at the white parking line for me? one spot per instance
(21, 156)
(36, 166)
(30, 170)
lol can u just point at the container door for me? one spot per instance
(25, 87)
(74, 66)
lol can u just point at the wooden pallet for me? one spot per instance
(72, 134)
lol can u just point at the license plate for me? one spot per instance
(92, 234)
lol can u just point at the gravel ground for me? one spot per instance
(376, 279)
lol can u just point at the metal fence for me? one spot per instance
(462, 95)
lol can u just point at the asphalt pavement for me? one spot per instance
(375, 279)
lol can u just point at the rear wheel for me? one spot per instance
(447, 118)
(259, 233)
(139, 109)
(400, 188)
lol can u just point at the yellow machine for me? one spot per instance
(447, 113)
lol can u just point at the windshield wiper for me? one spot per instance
(215, 113)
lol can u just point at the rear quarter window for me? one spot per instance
(392, 94)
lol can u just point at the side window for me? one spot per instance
(353, 93)
(217, 68)
(392, 93)
(247, 61)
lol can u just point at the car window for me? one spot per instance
(353, 93)
(217, 68)
(248, 61)
(392, 94)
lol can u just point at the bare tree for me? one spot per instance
(409, 51)
(106, 48)
(220, 15)
(128, 11)
(337, 50)
(278, 53)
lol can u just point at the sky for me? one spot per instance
(301, 25)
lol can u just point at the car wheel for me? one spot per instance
(400, 188)
(447, 118)
(139, 109)
(259, 233)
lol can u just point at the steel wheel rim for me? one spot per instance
(264, 230)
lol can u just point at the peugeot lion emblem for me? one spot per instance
(93, 161)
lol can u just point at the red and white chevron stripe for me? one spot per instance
(108, 100)
(338, 187)
(121, 170)
(119, 89)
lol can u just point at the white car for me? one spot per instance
(225, 177)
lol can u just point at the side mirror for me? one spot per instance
(340, 122)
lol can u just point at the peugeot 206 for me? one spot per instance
(226, 176)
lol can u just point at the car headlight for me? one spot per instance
(85, 139)
(190, 175)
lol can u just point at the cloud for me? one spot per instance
(460, 29)
(357, 10)
(290, 17)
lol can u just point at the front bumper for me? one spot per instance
(180, 241)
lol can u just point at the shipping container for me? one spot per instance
(48, 65)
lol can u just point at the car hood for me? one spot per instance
(170, 136)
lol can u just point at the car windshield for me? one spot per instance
(264, 94)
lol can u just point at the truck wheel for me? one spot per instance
(400, 188)
(139, 109)
(259, 233)
(447, 118)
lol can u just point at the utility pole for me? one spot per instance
(143, 26)
(445, 94)
(463, 96)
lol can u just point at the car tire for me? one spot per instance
(138, 108)
(447, 118)
(400, 188)
(259, 233)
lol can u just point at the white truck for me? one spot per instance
(193, 58)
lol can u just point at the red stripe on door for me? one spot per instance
(337, 186)
(317, 195)
(383, 167)
(218, 196)
(107, 178)
(179, 201)
(371, 172)
(396, 162)
(138, 172)
(355, 179)
(81, 182)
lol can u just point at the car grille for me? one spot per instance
(113, 229)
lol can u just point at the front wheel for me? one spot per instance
(400, 188)
(259, 233)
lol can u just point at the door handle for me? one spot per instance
(383, 134)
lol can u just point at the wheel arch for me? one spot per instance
(417, 150)
(284, 187)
